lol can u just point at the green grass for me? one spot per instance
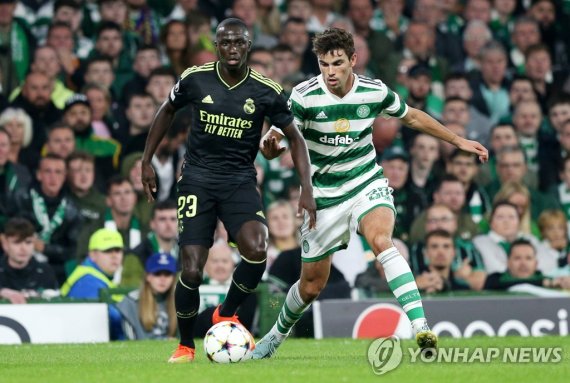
(307, 361)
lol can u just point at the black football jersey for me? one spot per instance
(226, 122)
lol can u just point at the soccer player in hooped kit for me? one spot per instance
(334, 111)
(229, 102)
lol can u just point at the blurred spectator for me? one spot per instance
(519, 195)
(389, 19)
(96, 273)
(14, 178)
(505, 229)
(363, 53)
(21, 275)
(294, 33)
(451, 193)
(81, 177)
(175, 45)
(282, 229)
(408, 201)
(554, 232)
(183, 9)
(522, 268)
(71, 13)
(464, 166)
(143, 21)
(546, 82)
(438, 276)
(268, 16)
(165, 164)
(246, 10)
(467, 264)
(140, 113)
(19, 126)
(131, 170)
(380, 45)
(478, 126)
(490, 95)
(160, 81)
(545, 13)
(562, 191)
(475, 36)
(286, 63)
(54, 214)
(46, 61)
(35, 100)
(502, 20)
(60, 140)
(524, 34)
(424, 153)
(149, 312)
(501, 136)
(419, 44)
(302, 9)
(162, 238)
(103, 119)
(99, 70)
(60, 38)
(261, 60)
(386, 132)
(521, 90)
(17, 46)
(419, 93)
(322, 16)
(77, 114)
(200, 35)
(510, 166)
(146, 60)
(559, 112)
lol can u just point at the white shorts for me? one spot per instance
(335, 223)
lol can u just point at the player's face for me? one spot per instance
(440, 251)
(165, 224)
(336, 68)
(522, 261)
(232, 45)
(18, 251)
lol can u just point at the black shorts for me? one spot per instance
(200, 205)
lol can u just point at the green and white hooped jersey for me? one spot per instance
(338, 133)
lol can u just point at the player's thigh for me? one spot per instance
(196, 215)
(240, 206)
(374, 213)
(331, 234)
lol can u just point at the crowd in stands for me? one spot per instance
(80, 82)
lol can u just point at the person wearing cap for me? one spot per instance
(419, 94)
(78, 115)
(54, 214)
(96, 273)
(149, 313)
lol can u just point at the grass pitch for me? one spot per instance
(307, 361)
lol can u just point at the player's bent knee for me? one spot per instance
(191, 277)
(255, 252)
(382, 242)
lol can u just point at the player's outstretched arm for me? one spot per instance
(300, 156)
(416, 119)
(269, 144)
(158, 129)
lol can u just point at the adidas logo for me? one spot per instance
(321, 115)
(207, 100)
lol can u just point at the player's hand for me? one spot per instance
(271, 149)
(473, 147)
(148, 178)
(307, 202)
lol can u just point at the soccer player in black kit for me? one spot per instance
(229, 103)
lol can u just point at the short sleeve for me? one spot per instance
(279, 114)
(180, 92)
(296, 105)
(393, 105)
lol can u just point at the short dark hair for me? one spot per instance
(167, 204)
(66, 3)
(232, 21)
(51, 156)
(139, 95)
(80, 155)
(536, 48)
(58, 24)
(444, 179)
(282, 48)
(560, 99)
(501, 203)
(456, 99)
(19, 227)
(115, 180)
(162, 71)
(455, 76)
(58, 125)
(461, 153)
(521, 242)
(107, 25)
(333, 39)
(438, 233)
(98, 58)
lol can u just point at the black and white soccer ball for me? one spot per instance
(228, 342)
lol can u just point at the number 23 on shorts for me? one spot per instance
(187, 206)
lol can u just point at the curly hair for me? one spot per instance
(333, 39)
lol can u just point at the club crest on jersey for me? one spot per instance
(342, 125)
(249, 106)
(363, 111)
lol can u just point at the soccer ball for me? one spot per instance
(228, 342)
